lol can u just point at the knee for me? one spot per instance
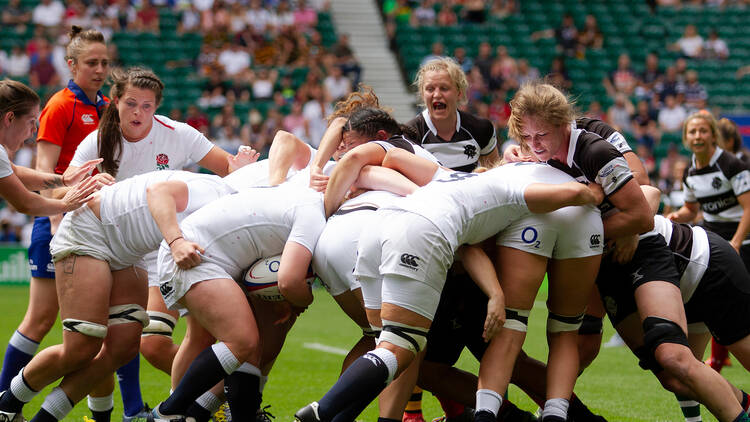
(153, 347)
(669, 346)
(588, 348)
(76, 356)
(245, 350)
(676, 360)
(674, 385)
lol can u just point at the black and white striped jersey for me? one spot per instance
(400, 141)
(716, 187)
(474, 137)
(605, 131)
(592, 159)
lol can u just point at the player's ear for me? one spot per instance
(382, 135)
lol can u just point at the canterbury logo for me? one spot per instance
(165, 289)
(409, 260)
(87, 119)
(595, 240)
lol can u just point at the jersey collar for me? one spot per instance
(713, 159)
(81, 96)
(431, 126)
(574, 132)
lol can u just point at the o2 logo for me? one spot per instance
(529, 235)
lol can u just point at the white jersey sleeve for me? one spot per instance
(195, 142)
(309, 221)
(741, 182)
(87, 150)
(5, 167)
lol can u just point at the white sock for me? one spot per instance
(556, 407)
(488, 400)
(57, 404)
(101, 404)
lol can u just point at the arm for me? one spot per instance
(27, 202)
(165, 200)
(635, 213)
(347, 171)
(328, 145)
(295, 260)
(542, 197)
(636, 166)
(686, 213)
(287, 151)
(480, 268)
(37, 180)
(222, 163)
(744, 226)
(514, 154)
(417, 169)
(490, 160)
(381, 178)
(624, 247)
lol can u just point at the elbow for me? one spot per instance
(295, 291)
(392, 157)
(644, 222)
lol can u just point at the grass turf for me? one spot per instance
(613, 386)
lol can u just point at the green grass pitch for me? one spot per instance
(613, 386)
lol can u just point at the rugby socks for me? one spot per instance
(17, 395)
(691, 409)
(555, 410)
(578, 410)
(365, 378)
(742, 417)
(56, 407)
(413, 408)
(130, 387)
(488, 401)
(19, 352)
(745, 403)
(242, 388)
(211, 366)
(101, 407)
(387, 420)
(719, 356)
(451, 407)
(203, 407)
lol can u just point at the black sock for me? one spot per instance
(742, 417)
(9, 402)
(362, 381)
(388, 420)
(352, 411)
(484, 416)
(43, 416)
(745, 403)
(104, 416)
(243, 395)
(205, 372)
(198, 412)
(577, 409)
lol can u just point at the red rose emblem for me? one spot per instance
(162, 159)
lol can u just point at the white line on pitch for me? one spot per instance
(327, 349)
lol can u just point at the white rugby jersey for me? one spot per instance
(690, 249)
(469, 207)
(717, 186)
(473, 138)
(5, 167)
(127, 220)
(169, 145)
(239, 229)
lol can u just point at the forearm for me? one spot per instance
(38, 180)
(38, 205)
(480, 268)
(163, 207)
(286, 152)
(329, 142)
(742, 229)
(622, 224)
(381, 178)
(542, 198)
(343, 177)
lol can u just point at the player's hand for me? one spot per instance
(245, 155)
(75, 175)
(186, 254)
(673, 216)
(624, 249)
(495, 316)
(81, 193)
(736, 245)
(514, 154)
(105, 179)
(597, 191)
(318, 180)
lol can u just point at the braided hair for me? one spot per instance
(368, 121)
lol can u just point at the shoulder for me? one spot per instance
(477, 124)
(419, 124)
(63, 100)
(729, 164)
(595, 125)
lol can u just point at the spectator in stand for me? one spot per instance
(256, 133)
(305, 17)
(347, 61)
(502, 8)
(436, 51)
(97, 15)
(338, 85)
(671, 115)
(15, 14)
(315, 111)
(296, 123)
(42, 72)
(147, 19)
(123, 13)
(499, 110)
(620, 113)
(590, 36)
(647, 158)
(484, 59)
(566, 35)
(650, 76)
(672, 186)
(424, 14)
(621, 80)
(644, 124)
(478, 87)
(690, 44)
(48, 14)
(18, 64)
(226, 118)
(526, 72)
(446, 16)
(196, 118)
(258, 17)
(695, 92)
(227, 139)
(233, 58)
(475, 12)
(466, 63)
(714, 47)
(263, 84)
(595, 111)
(12, 223)
(190, 19)
(670, 85)
(558, 74)
(398, 12)
(75, 14)
(508, 65)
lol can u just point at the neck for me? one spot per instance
(446, 127)
(702, 159)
